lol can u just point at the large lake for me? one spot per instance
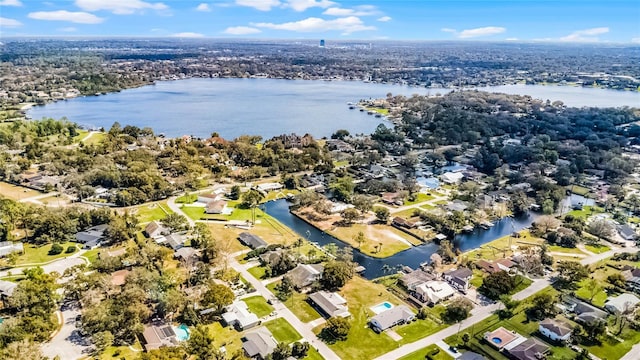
(270, 107)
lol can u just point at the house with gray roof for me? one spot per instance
(239, 316)
(155, 230)
(459, 278)
(330, 304)
(91, 237)
(555, 330)
(251, 240)
(621, 303)
(470, 355)
(157, 336)
(531, 349)
(258, 344)
(6, 289)
(8, 247)
(304, 275)
(392, 317)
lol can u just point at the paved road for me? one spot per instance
(283, 311)
(171, 202)
(59, 265)
(68, 344)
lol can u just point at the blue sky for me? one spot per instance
(514, 20)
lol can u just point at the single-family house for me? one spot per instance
(251, 240)
(452, 177)
(626, 232)
(186, 254)
(157, 336)
(502, 338)
(392, 317)
(155, 230)
(470, 355)
(404, 223)
(434, 292)
(496, 266)
(531, 349)
(272, 257)
(8, 247)
(216, 207)
(392, 198)
(330, 304)
(6, 290)
(621, 303)
(585, 312)
(175, 241)
(412, 279)
(208, 197)
(428, 183)
(258, 344)
(456, 205)
(238, 315)
(266, 187)
(459, 278)
(555, 330)
(632, 278)
(304, 275)
(91, 237)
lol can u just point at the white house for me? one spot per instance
(392, 317)
(266, 187)
(433, 292)
(555, 330)
(239, 316)
(621, 303)
(452, 177)
(208, 197)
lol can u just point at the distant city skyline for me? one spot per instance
(569, 21)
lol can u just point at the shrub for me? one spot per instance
(71, 249)
(56, 249)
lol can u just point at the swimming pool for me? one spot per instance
(381, 307)
(496, 340)
(182, 332)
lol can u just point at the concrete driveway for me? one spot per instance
(68, 344)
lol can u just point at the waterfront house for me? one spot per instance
(459, 278)
(304, 275)
(155, 230)
(251, 240)
(266, 187)
(258, 344)
(434, 292)
(238, 315)
(404, 223)
(8, 247)
(621, 303)
(411, 280)
(555, 330)
(330, 304)
(91, 237)
(392, 317)
(495, 266)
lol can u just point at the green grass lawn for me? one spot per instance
(258, 305)
(298, 305)
(282, 331)
(81, 134)
(374, 235)
(226, 336)
(579, 190)
(194, 212)
(420, 197)
(586, 212)
(257, 272)
(152, 211)
(418, 329)
(121, 352)
(96, 139)
(342, 163)
(187, 199)
(274, 195)
(406, 214)
(40, 254)
(313, 354)
(422, 354)
(556, 248)
(597, 248)
(611, 349)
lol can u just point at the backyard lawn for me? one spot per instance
(258, 305)
(39, 254)
(282, 331)
(298, 305)
(597, 248)
(586, 212)
(392, 239)
(151, 211)
(422, 354)
(257, 272)
(420, 197)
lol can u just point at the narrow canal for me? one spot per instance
(412, 257)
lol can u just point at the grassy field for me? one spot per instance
(612, 349)
(81, 134)
(274, 195)
(226, 336)
(151, 211)
(338, 164)
(16, 192)
(298, 305)
(499, 248)
(586, 212)
(258, 305)
(39, 254)
(597, 248)
(187, 199)
(556, 248)
(585, 287)
(422, 354)
(257, 272)
(406, 214)
(282, 331)
(390, 237)
(121, 352)
(420, 197)
(95, 139)
(579, 190)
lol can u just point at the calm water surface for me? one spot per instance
(270, 107)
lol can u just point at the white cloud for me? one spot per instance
(10, 3)
(241, 30)
(262, 5)
(449, 30)
(483, 31)
(120, 7)
(635, 40)
(189, 35)
(63, 15)
(361, 10)
(384, 19)
(203, 7)
(587, 35)
(9, 23)
(347, 25)
(302, 5)
(512, 39)
(68, 29)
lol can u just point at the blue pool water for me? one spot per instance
(496, 340)
(381, 307)
(182, 332)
